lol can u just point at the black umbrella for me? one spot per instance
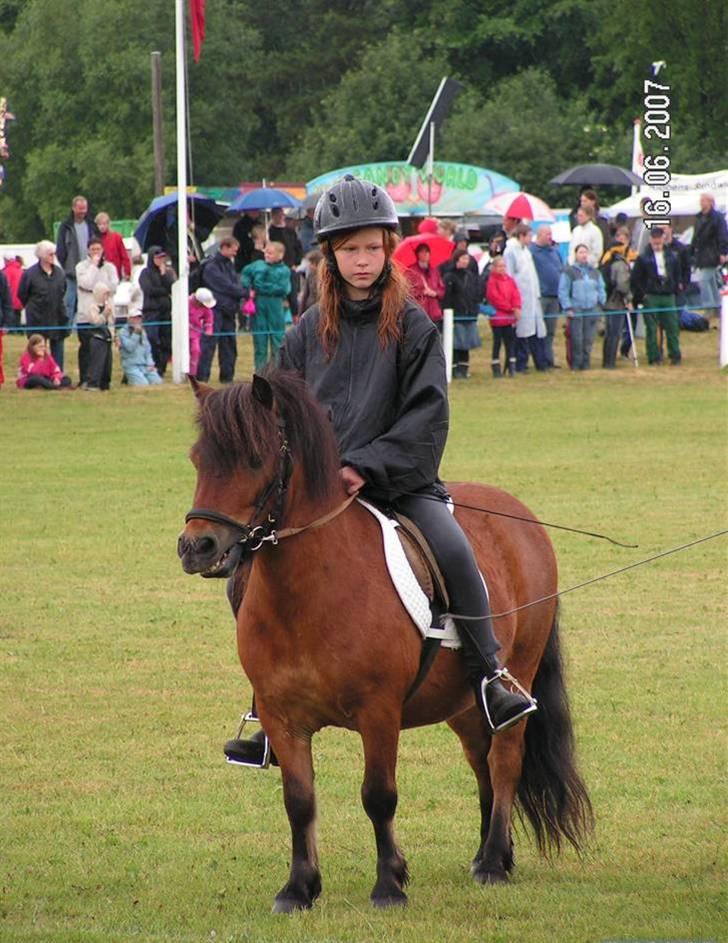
(160, 218)
(598, 175)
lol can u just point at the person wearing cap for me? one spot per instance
(156, 280)
(202, 320)
(375, 362)
(135, 351)
(655, 282)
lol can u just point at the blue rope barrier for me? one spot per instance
(610, 312)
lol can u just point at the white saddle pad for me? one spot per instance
(405, 582)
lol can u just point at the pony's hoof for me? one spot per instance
(290, 905)
(484, 875)
(393, 899)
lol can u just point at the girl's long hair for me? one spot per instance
(394, 291)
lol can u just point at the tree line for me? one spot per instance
(289, 90)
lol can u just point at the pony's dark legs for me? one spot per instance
(304, 880)
(380, 737)
(497, 770)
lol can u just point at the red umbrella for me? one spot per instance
(520, 206)
(440, 249)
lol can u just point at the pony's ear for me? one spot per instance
(201, 390)
(262, 391)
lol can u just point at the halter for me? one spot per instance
(256, 533)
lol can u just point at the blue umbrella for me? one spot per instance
(161, 215)
(264, 198)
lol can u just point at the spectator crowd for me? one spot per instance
(261, 278)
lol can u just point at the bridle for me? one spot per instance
(255, 533)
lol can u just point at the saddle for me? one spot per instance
(420, 558)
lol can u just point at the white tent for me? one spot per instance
(682, 193)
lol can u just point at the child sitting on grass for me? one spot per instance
(38, 370)
(135, 352)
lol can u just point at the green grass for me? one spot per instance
(119, 682)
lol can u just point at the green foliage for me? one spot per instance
(691, 39)
(525, 130)
(375, 112)
(292, 88)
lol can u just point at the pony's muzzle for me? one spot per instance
(207, 554)
(198, 553)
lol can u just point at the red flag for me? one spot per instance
(197, 19)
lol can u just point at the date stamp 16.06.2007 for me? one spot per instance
(657, 131)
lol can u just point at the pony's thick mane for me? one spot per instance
(236, 430)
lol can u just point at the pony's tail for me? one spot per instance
(551, 793)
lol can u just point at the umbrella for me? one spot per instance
(598, 175)
(161, 215)
(519, 206)
(263, 198)
(440, 249)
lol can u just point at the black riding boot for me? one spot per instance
(254, 751)
(502, 704)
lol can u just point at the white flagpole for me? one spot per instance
(180, 316)
(638, 156)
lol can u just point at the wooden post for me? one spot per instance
(157, 123)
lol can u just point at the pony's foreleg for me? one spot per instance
(304, 881)
(380, 737)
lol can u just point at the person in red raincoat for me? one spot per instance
(504, 296)
(427, 288)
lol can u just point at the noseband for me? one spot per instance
(255, 533)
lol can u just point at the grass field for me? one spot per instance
(119, 682)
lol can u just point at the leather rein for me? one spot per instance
(256, 532)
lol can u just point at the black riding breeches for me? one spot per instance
(455, 557)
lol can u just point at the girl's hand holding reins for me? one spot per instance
(351, 479)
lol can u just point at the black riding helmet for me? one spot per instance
(353, 204)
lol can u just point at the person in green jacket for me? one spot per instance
(269, 283)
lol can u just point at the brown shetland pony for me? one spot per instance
(325, 640)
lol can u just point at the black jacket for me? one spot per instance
(219, 275)
(682, 254)
(463, 291)
(389, 407)
(710, 239)
(157, 291)
(6, 304)
(67, 248)
(646, 281)
(241, 232)
(42, 296)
